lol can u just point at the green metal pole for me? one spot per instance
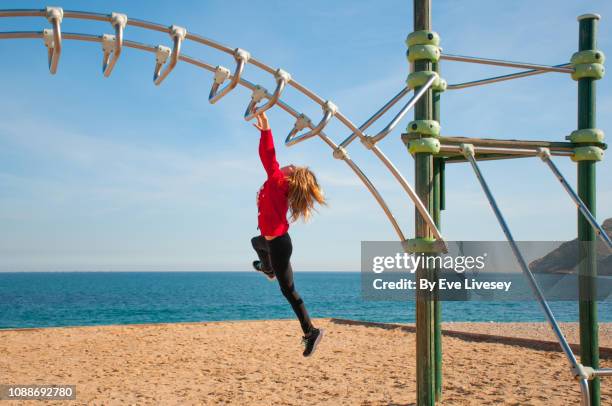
(424, 183)
(442, 164)
(438, 168)
(589, 340)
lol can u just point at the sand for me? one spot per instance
(260, 363)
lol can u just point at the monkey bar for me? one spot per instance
(112, 46)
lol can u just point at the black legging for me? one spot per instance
(274, 255)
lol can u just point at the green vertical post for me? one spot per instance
(423, 183)
(589, 340)
(438, 168)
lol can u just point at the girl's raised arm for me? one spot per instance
(267, 154)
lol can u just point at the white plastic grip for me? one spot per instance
(48, 37)
(331, 107)
(259, 93)
(221, 75)
(54, 13)
(282, 75)
(177, 32)
(162, 54)
(241, 54)
(119, 19)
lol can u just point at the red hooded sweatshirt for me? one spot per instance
(272, 201)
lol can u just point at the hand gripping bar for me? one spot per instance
(329, 110)
(282, 78)
(222, 74)
(112, 44)
(178, 35)
(53, 37)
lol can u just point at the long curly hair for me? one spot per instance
(304, 192)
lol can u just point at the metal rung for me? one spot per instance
(282, 78)
(53, 37)
(509, 64)
(112, 44)
(500, 150)
(468, 151)
(293, 138)
(544, 154)
(178, 35)
(222, 74)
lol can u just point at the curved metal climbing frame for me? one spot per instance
(166, 60)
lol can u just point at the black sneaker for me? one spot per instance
(311, 341)
(259, 268)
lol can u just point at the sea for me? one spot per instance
(50, 299)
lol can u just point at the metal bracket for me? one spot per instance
(222, 74)
(467, 150)
(427, 144)
(282, 78)
(543, 153)
(588, 153)
(329, 110)
(340, 153)
(162, 54)
(586, 135)
(112, 44)
(53, 37)
(178, 35)
(368, 141)
(427, 128)
(583, 372)
(259, 93)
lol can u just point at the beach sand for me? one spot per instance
(260, 363)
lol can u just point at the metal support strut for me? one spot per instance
(369, 141)
(503, 78)
(577, 368)
(544, 154)
(508, 64)
(375, 117)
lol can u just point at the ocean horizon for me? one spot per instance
(82, 298)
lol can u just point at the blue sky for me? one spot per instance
(119, 174)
